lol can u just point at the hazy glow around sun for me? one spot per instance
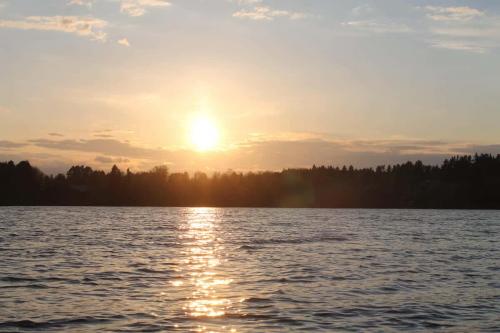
(204, 134)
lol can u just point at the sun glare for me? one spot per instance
(204, 134)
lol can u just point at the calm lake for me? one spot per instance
(81, 269)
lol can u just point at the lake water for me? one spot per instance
(248, 270)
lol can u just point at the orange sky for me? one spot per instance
(284, 84)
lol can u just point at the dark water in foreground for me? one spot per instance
(248, 270)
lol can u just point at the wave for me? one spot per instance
(257, 300)
(18, 279)
(57, 323)
(29, 286)
(269, 241)
(23, 279)
(154, 271)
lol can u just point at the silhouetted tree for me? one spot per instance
(460, 182)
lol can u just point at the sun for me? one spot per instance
(204, 134)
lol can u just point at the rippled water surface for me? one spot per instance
(248, 270)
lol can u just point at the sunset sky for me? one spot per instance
(281, 83)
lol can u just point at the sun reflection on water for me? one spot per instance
(202, 256)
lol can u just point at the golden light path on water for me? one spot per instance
(202, 255)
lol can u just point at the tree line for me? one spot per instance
(459, 182)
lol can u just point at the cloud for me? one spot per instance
(87, 3)
(129, 7)
(56, 134)
(369, 19)
(111, 133)
(452, 13)
(454, 28)
(278, 154)
(107, 159)
(463, 29)
(268, 154)
(81, 26)
(105, 130)
(480, 149)
(362, 10)
(257, 154)
(124, 42)
(378, 27)
(265, 13)
(489, 30)
(10, 144)
(139, 7)
(246, 2)
(103, 146)
(461, 45)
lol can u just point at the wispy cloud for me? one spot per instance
(108, 160)
(463, 28)
(368, 19)
(378, 26)
(81, 26)
(129, 7)
(90, 27)
(260, 12)
(124, 42)
(246, 2)
(452, 13)
(104, 146)
(461, 45)
(140, 7)
(10, 144)
(87, 3)
(362, 10)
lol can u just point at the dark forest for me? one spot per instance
(459, 182)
